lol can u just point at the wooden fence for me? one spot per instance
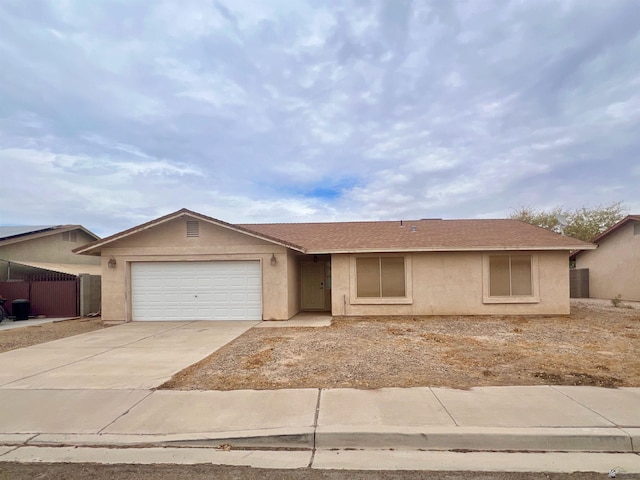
(51, 295)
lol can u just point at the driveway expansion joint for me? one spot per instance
(107, 349)
(169, 329)
(126, 412)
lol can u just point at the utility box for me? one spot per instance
(579, 283)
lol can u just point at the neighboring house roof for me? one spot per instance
(9, 235)
(614, 228)
(620, 224)
(383, 236)
(68, 268)
(11, 231)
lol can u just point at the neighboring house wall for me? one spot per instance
(89, 290)
(49, 249)
(614, 267)
(453, 283)
(168, 242)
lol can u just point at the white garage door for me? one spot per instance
(196, 290)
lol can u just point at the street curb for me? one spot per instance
(604, 440)
(271, 438)
(479, 439)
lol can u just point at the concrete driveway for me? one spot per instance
(138, 355)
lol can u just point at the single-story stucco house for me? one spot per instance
(188, 266)
(29, 250)
(614, 267)
(37, 264)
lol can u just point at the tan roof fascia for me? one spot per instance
(46, 233)
(93, 247)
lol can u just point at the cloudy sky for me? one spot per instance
(114, 112)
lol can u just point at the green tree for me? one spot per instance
(582, 223)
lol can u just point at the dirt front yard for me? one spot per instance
(46, 332)
(597, 345)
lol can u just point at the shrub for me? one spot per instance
(617, 301)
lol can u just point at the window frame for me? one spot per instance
(486, 284)
(353, 287)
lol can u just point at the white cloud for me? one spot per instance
(626, 111)
(119, 111)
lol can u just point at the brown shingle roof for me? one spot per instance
(389, 236)
(417, 235)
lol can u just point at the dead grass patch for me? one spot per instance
(592, 346)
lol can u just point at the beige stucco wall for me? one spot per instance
(614, 267)
(293, 281)
(49, 249)
(168, 242)
(444, 283)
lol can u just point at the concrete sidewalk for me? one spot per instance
(539, 418)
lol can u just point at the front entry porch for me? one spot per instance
(301, 319)
(315, 283)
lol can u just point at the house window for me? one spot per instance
(511, 278)
(636, 228)
(510, 275)
(193, 228)
(380, 277)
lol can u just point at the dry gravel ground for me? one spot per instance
(597, 344)
(68, 471)
(35, 334)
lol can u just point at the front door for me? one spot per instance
(313, 279)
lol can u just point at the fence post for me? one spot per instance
(85, 293)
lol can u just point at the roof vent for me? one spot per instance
(414, 228)
(193, 228)
(70, 236)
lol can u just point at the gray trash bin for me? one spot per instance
(21, 309)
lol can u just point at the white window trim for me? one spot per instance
(408, 284)
(535, 281)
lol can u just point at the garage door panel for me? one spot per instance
(254, 297)
(238, 297)
(224, 290)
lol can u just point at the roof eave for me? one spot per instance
(615, 227)
(95, 247)
(45, 233)
(567, 248)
